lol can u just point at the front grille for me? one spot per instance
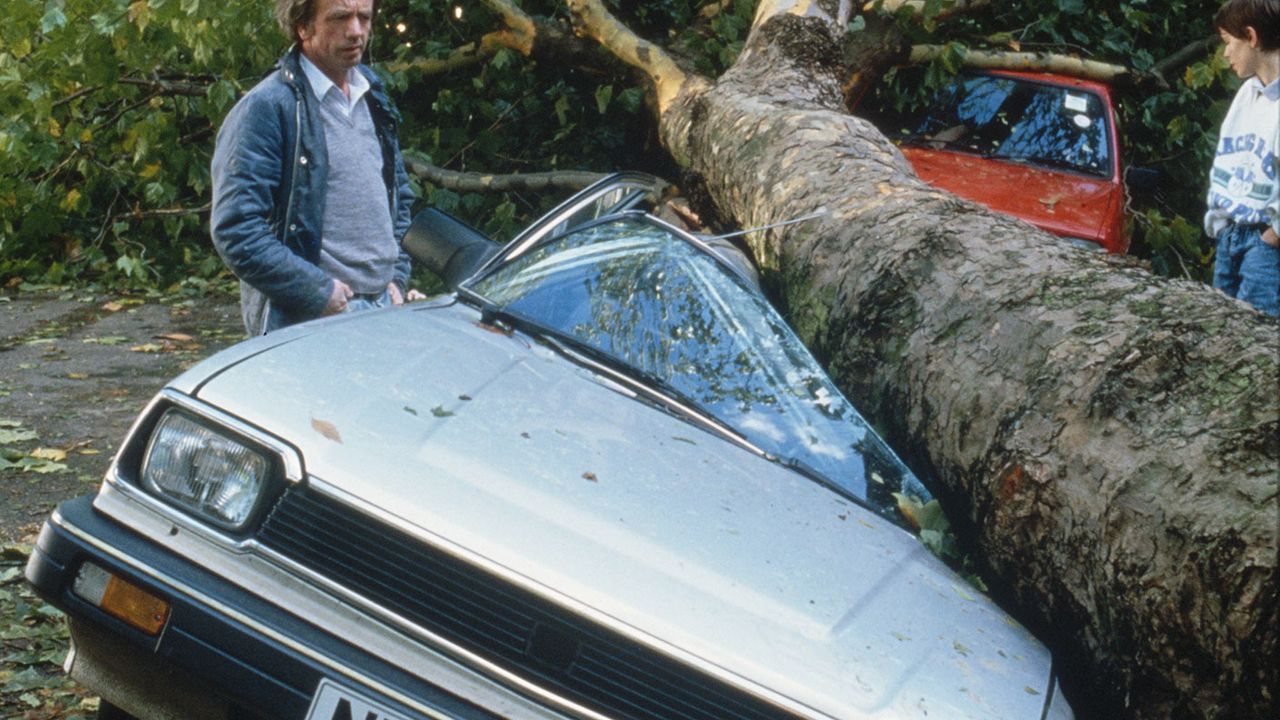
(508, 626)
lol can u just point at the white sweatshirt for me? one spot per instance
(1243, 187)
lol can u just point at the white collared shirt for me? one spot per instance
(1270, 91)
(323, 87)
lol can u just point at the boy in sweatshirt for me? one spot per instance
(1244, 192)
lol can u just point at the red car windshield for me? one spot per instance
(1020, 121)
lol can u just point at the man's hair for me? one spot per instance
(1261, 15)
(292, 13)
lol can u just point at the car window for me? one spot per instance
(608, 196)
(1019, 120)
(657, 302)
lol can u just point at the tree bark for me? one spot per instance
(1111, 437)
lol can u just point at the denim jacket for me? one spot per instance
(269, 170)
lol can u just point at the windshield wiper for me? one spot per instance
(1034, 159)
(890, 512)
(654, 390)
(809, 471)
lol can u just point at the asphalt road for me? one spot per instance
(75, 369)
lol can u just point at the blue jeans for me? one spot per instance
(1247, 268)
(365, 302)
(274, 320)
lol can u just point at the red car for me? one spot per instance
(1038, 146)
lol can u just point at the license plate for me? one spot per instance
(335, 702)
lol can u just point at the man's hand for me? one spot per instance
(1270, 237)
(338, 298)
(393, 291)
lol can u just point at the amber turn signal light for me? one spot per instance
(121, 599)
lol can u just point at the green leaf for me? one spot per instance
(952, 57)
(631, 99)
(53, 18)
(222, 94)
(604, 94)
(932, 517)
(562, 110)
(10, 437)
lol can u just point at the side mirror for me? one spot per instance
(447, 246)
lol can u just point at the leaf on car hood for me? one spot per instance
(327, 429)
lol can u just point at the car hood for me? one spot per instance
(1063, 203)
(511, 454)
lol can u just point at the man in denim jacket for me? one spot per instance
(310, 195)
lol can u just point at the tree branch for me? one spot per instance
(521, 30)
(1040, 62)
(488, 183)
(168, 87)
(591, 18)
(519, 35)
(77, 94)
(956, 7)
(139, 214)
(462, 57)
(528, 36)
(1190, 53)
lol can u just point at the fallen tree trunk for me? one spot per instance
(1113, 438)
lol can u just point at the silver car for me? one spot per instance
(602, 479)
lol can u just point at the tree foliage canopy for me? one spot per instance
(110, 108)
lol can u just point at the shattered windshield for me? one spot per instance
(636, 292)
(1021, 121)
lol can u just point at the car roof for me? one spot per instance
(1054, 79)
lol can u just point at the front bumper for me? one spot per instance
(222, 652)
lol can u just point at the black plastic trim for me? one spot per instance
(247, 667)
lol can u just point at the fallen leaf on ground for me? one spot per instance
(108, 340)
(53, 454)
(10, 436)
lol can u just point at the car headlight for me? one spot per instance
(209, 473)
